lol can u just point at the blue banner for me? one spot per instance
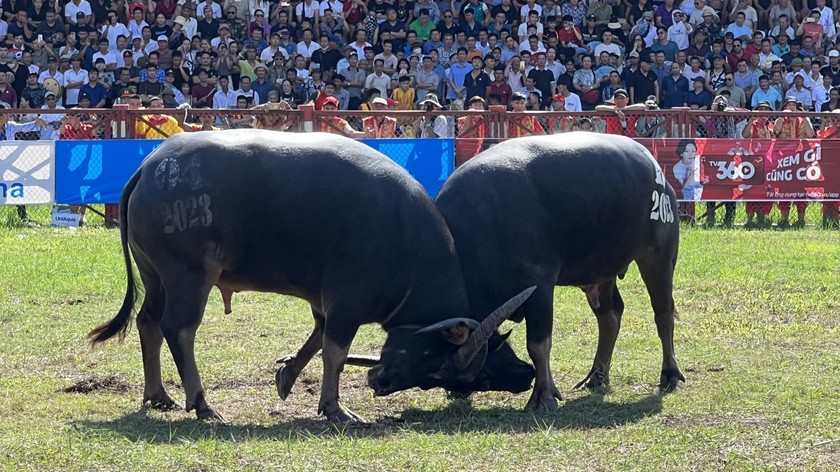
(96, 171)
(430, 161)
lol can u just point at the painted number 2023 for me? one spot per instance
(187, 213)
(661, 209)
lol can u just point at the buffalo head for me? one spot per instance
(459, 354)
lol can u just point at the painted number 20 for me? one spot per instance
(187, 213)
(661, 209)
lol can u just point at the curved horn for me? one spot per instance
(467, 352)
(455, 330)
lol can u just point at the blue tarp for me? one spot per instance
(96, 171)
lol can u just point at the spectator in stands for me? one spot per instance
(522, 125)
(833, 102)
(53, 120)
(619, 122)
(157, 126)
(765, 93)
(643, 83)
(799, 93)
(379, 126)
(430, 124)
(737, 97)
(674, 88)
(788, 127)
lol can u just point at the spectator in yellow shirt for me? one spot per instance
(404, 94)
(157, 126)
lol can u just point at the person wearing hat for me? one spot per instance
(379, 126)
(601, 10)
(156, 125)
(32, 95)
(679, 31)
(558, 124)
(643, 83)
(701, 9)
(330, 123)
(590, 31)
(430, 125)
(53, 120)
(792, 127)
(9, 130)
(619, 123)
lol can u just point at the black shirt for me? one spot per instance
(834, 74)
(208, 30)
(643, 86)
(454, 29)
(327, 59)
(542, 81)
(476, 86)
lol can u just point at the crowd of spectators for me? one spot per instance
(213, 54)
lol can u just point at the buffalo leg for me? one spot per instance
(151, 339)
(539, 316)
(291, 366)
(658, 276)
(608, 313)
(182, 314)
(337, 339)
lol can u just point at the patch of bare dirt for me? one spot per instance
(94, 383)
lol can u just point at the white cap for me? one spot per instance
(834, 53)
(162, 38)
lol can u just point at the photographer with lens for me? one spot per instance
(429, 124)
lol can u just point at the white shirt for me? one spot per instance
(267, 55)
(51, 132)
(72, 76)
(573, 102)
(383, 83)
(522, 32)
(110, 58)
(136, 30)
(306, 51)
(610, 48)
(191, 27)
(222, 100)
(819, 96)
(217, 9)
(250, 93)
(4, 29)
(71, 9)
(678, 33)
(113, 32)
(46, 74)
(337, 7)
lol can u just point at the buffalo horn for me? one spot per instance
(362, 360)
(467, 352)
(456, 330)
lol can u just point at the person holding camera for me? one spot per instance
(430, 125)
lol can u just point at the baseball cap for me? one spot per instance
(379, 101)
(634, 54)
(162, 38)
(764, 103)
(834, 53)
(167, 91)
(332, 101)
(621, 92)
(84, 95)
(558, 98)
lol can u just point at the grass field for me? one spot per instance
(758, 340)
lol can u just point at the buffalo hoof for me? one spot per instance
(544, 400)
(593, 380)
(669, 381)
(343, 416)
(284, 378)
(209, 414)
(162, 402)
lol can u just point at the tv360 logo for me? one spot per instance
(728, 170)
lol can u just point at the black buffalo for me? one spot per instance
(316, 216)
(573, 209)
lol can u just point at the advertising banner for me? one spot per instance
(27, 175)
(749, 169)
(96, 171)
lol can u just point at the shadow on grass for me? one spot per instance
(589, 412)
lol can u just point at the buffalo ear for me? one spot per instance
(455, 330)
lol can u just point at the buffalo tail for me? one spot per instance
(119, 325)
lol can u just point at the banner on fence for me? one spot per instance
(96, 171)
(430, 161)
(27, 175)
(749, 169)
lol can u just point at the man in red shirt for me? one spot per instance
(7, 93)
(500, 86)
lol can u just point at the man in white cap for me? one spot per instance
(164, 53)
(832, 69)
(431, 126)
